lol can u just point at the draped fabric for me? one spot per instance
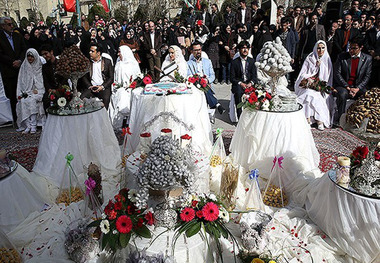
(30, 82)
(5, 105)
(180, 64)
(316, 106)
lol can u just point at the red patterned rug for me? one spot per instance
(330, 143)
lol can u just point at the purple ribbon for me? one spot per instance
(90, 185)
(277, 160)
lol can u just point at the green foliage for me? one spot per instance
(24, 22)
(121, 13)
(140, 13)
(97, 10)
(49, 21)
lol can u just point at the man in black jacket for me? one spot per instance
(97, 83)
(243, 73)
(352, 72)
(12, 54)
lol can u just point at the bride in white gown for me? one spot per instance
(126, 70)
(318, 108)
(174, 62)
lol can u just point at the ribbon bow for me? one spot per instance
(126, 131)
(277, 160)
(69, 157)
(254, 174)
(90, 185)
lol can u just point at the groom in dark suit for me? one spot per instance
(12, 54)
(243, 73)
(352, 72)
(97, 82)
(152, 45)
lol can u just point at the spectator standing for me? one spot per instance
(12, 53)
(372, 46)
(299, 20)
(227, 45)
(152, 46)
(244, 14)
(310, 35)
(229, 17)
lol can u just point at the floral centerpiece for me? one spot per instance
(122, 220)
(316, 84)
(207, 213)
(255, 97)
(199, 82)
(363, 180)
(141, 81)
(60, 97)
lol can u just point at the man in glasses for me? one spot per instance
(12, 53)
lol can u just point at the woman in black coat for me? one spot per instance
(212, 50)
(227, 46)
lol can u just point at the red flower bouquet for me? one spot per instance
(122, 219)
(141, 81)
(198, 82)
(203, 212)
(60, 97)
(358, 155)
(255, 97)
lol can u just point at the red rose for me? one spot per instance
(118, 206)
(199, 214)
(149, 218)
(194, 203)
(140, 223)
(186, 137)
(147, 80)
(376, 154)
(133, 85)
(108, 207)
(204, 83)
(52, 97)
(187, 214)
(112, 215)
(192, 80)
(124, 224)
(145, 135)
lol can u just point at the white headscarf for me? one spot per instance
(30, 75)
(310, 68)
(127, 68)
(179, 60)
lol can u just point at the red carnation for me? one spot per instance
(360, 152)
(149, 218)
(210, 211)
(203, 83)
(147, 80)
(108, 207)
(133, 85)
(124, 224)
(112, 215)
(52, 97)
(118, 206)
(187, 214)
(199, 214)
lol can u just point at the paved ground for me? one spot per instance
(223, 93)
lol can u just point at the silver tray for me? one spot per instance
(332, 176)
(13, 166)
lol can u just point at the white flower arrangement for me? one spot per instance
(105, 226)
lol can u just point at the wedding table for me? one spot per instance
(262, 135)
(189, 108)
(350, 220)
(18, 198)
(88, 137)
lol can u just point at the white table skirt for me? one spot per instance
(88, 137)
(350, 220)
(190, 108)
(18, 198)
(261, 135)
(5, 110)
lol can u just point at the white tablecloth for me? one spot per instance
(88, 137)
(261, 135)
(190, 108)
(18, 198)
(350, 220)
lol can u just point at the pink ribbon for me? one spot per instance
(90, 185)
(277, 160)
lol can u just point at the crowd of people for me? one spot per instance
(223, 45)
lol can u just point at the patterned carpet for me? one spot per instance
(330, 143)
